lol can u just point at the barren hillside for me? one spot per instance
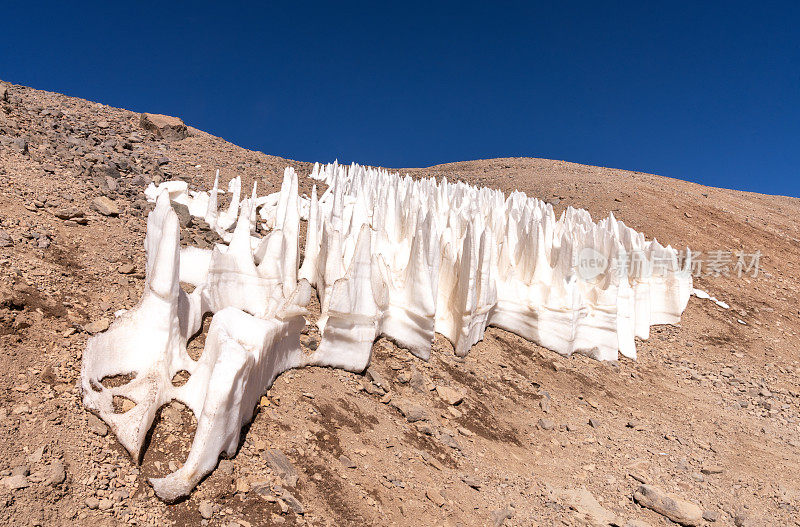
(708, 413)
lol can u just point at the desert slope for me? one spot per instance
(708, 413)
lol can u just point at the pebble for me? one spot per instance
(58, 474)
(450, 395)
(584, 502)
(105, 206)
(546, 424)
(712, 469)
(290, 500)
(346, 461)
(281, 465)
(500, 516)
(377, 378)
(412, 412)
(436, 497)
(126, 268)
(97, 426)
(206, 509)
(5, 239)
(97, 326)
(92, 502)
(544, 404)
(471, 482)
(68, 213)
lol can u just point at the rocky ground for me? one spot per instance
(703, 428)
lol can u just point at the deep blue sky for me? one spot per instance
(705, 93)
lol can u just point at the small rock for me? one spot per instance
(424, 428)
(206, 509)
(242, 486)
(20, 470)
(290, 500)
(111, 184)
(435, 497)
(97, 326)
(449, 441)
(92, 502)
(172, 415)
(68, 213)
(182, 211)
(546, 424)
(677, 510)
(743, 519)
(105, 504)
(594, 423)
(544, 404)
(97, 426)
(15, 482)
(450, 395)
(584, 502)
(500, 516)
(419, 382)
(5, 239)
(377, 378)
(412, 412)
(281, 465)
(20, 145)
(712, 469)
(710, 516)
(346, 461)
(58, 474)
(126, 268)
(105, 206)
(225, 467)
(465, 431)
(471, 482)
(140, 180)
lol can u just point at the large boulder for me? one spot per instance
(164, 126)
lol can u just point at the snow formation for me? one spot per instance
(388, 256)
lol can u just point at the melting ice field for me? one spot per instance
(387, 256)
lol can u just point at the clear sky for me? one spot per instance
(707, 92)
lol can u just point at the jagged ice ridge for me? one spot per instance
(388, 256)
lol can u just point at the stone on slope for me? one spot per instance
(450, 395)
(57, 474)
(164, 126)
(97, 326)
(105, 206)
(281, 465)
(15, 482)
(677, 510)
(5, 239)
(585, 504)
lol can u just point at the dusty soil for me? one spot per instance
(708, 413)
